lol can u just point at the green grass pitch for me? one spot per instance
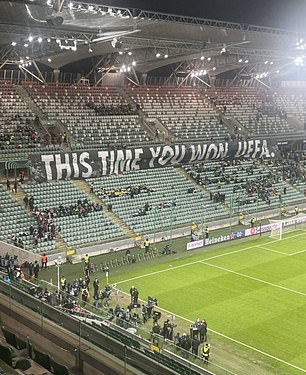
(251, 292)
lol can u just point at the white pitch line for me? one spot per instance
(297, 252)
(272, 251)
(197, 261)
(233, 340)
(182, 265)
(254, 278)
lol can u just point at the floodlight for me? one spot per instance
(299, 61)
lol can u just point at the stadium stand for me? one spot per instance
(95, 116)
(188, 115)
(16, 223)
(293, 100)
(247, 186)
(81, 221)
(17, 133)
(163, 199)
(254, 109)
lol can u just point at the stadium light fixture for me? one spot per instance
(166, 55)
(158, 55)
(246, 61)
(208, 58)
(30, 39)
(240, 60)
(40, 39)
(266, 62)
(299, 61)
(134, 63)
(13, 44)
(48, 40)
(130, 53)
(26, 45)
(120, 52)
(271, 62)
(214, 68)
(202, 57)
(49, 60)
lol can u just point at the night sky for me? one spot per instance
(288, 14)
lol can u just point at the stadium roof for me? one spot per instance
(60, 32)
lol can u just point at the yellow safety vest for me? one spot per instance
(205, 351)
(86, 259)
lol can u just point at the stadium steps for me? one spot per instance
(85, 188)
(149, 124)
(61, 245)
(142, 115)
(182, 172)
(229, 121)
(44, 121)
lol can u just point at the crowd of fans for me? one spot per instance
(113, 110)
(249, 189)
(23, 135)
(124, 191)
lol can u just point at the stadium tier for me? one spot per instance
(246, 186)
(152, 200)
(188, 115)
(17, 134)
(254, 109)
(95, 116)
(16, 223)
(81, 221)
(294, 101)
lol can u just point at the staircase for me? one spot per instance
(38, 125)
(150, 124)
(182, 172)
(44, 126)
(296, 124)
(229, 121)
(232, 123)
(85, 188)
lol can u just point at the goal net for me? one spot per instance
(280, 227)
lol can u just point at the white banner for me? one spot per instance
(195, 244)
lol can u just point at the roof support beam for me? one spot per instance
(23, 69)
(201, 80)
(38, 71)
